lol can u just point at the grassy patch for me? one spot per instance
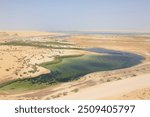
(50, 44)
(22, 85)
(75, 90)
(68, 68)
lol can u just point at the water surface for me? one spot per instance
(64, 69)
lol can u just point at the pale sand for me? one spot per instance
(111, 89)
(140, 94)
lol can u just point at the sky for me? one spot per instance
(74, 15)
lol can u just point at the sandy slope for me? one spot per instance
(140, 94)
(112, 88)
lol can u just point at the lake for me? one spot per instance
(64, 69)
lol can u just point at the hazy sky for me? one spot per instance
(56, 15)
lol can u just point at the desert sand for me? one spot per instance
(128, 83)
(113, 88)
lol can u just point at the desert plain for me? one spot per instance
(31, 61)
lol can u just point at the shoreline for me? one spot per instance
(141, 58)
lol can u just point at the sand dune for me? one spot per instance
(111, 89)
(27, 33)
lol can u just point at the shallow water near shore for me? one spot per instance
(65, 69)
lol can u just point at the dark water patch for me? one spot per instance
(115, 52)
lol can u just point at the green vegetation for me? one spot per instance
(49, 44)
(21, 85)
(58, 59)
(68, 68)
